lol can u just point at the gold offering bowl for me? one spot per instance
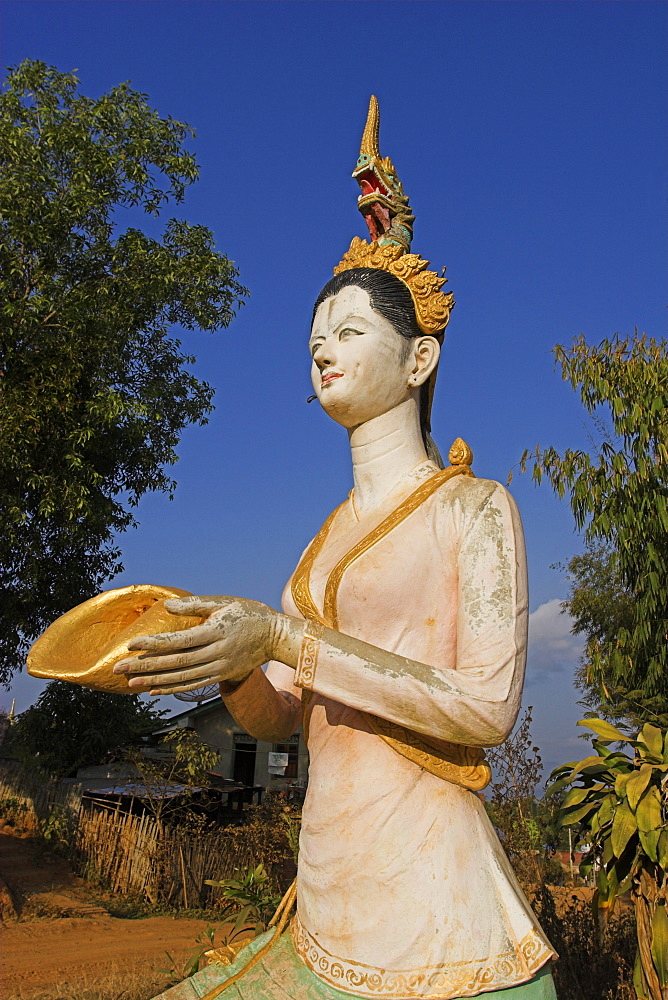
(83, 645)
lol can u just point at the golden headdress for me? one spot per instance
(389, 219)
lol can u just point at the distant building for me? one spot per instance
(244, 759)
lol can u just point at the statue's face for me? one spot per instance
(361, 365)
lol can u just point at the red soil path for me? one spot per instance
(72, 940)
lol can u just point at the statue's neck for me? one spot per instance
(384, 451)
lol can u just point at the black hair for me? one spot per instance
(390, 298)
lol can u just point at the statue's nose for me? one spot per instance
(323, 356)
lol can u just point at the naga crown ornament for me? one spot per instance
(388, 216)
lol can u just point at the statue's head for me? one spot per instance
(379, 323)
(369, 354)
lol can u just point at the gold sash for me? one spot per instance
(462, 765)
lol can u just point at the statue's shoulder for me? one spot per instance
(470, 495)
(470, 488)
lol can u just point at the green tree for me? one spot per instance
(180, 758)
(94, 393)
(618, 803)
(601, 606)
(619, 599)
(70, 726)
(619, 499)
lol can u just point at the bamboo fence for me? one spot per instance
(132, 855)
(38, 793)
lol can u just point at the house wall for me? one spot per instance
(216, 727)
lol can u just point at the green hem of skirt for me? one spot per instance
(281, 975)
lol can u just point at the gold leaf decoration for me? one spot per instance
(460, 453)
(432, 306)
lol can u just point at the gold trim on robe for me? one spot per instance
(451, 979)
(462, 765)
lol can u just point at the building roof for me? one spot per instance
(196, 710)
(141, 789)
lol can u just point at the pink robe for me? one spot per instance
(403, 888)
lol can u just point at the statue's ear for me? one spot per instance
(426, 352)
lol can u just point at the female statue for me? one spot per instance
(402, 641)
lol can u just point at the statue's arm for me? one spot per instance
(265, 705)
(476, 704)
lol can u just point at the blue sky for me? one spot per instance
(528, 136)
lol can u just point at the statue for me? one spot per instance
(402, 643)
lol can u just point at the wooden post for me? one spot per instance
(570, 849)
(183, 873)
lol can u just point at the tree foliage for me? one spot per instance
(183, 758)
(619, 499)
(94, 393)
(619, 601)
(601, 606)
(618, 801)
(71, 727)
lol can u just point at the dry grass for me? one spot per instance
(594, 963)
(135, 983)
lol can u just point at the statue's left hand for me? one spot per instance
(237, 637)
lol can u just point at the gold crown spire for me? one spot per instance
(389, 219)
(369, 146)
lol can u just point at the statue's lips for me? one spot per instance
(326, 379)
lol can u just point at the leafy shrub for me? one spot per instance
(251, 894)
(57, 827)
(620, 807)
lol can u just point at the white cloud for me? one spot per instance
(552, 647)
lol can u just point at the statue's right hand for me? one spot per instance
(238, 636)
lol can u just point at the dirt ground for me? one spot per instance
(58, 938)
(59, 942)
